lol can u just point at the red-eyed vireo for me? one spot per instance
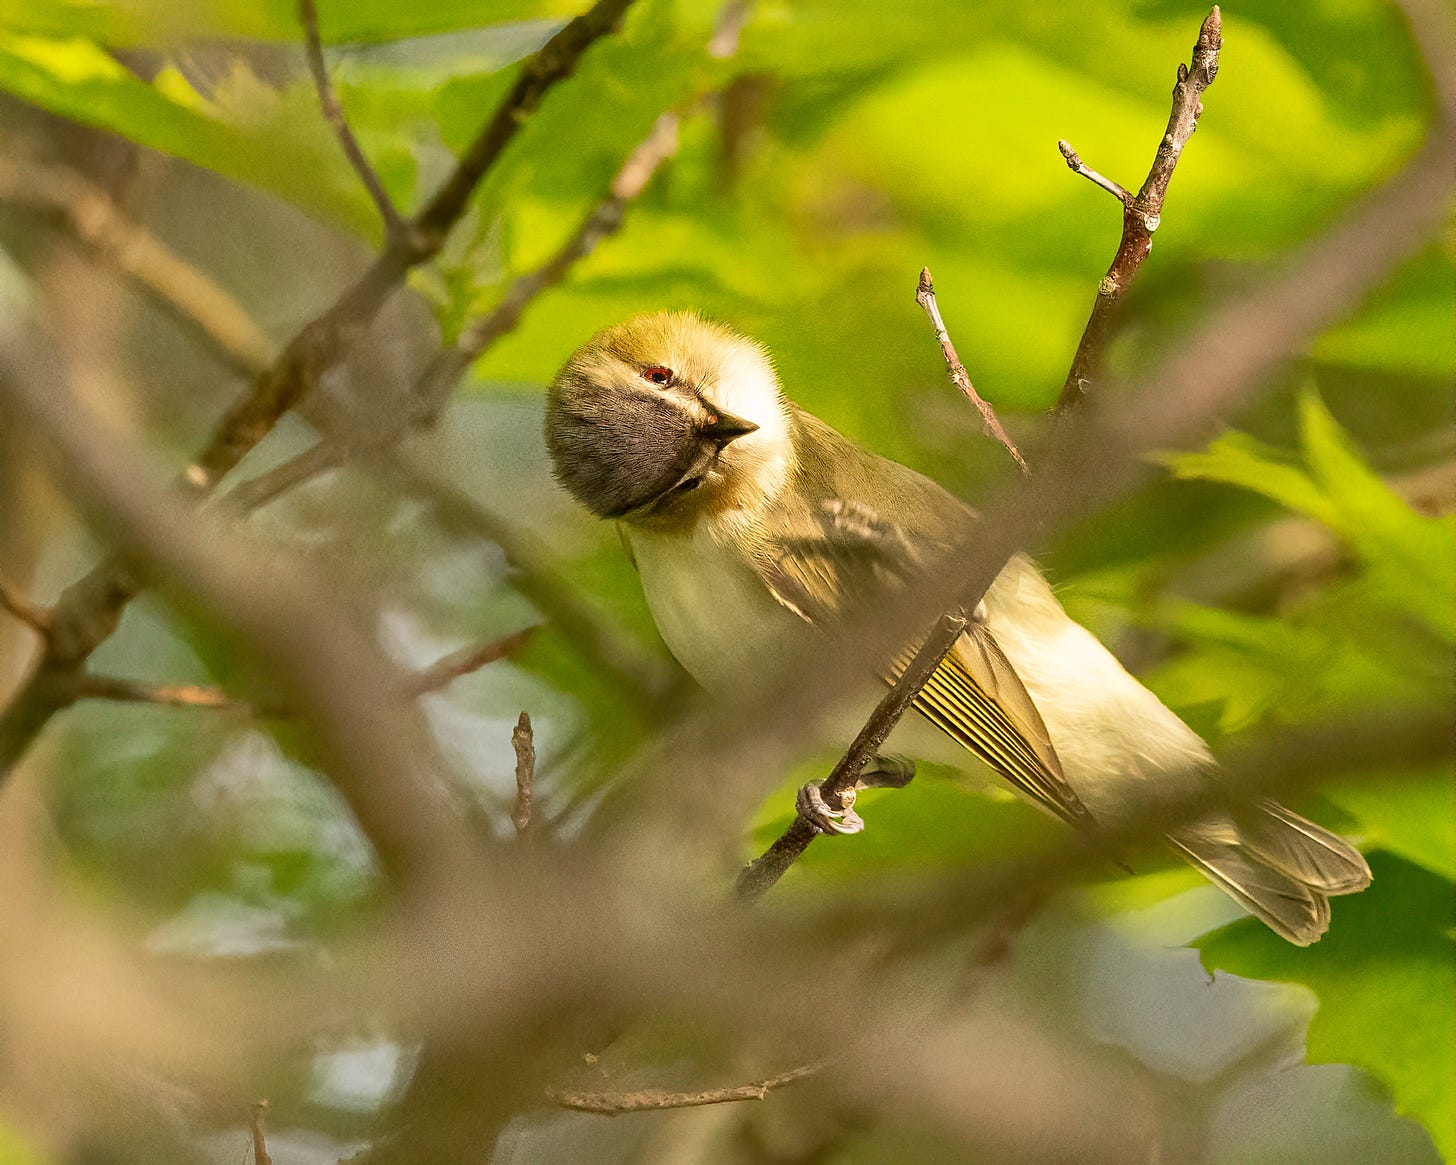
(753, 523)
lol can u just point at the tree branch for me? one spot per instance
(925, 297)
(461, 663)
(1142, 212)
(1077, 166)
(89, 611)
(334, 114)
(90, 686)
(259, 1134)
(654, 1100)
(759, 875)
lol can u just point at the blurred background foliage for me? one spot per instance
(1299, 568)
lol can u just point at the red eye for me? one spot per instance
(658, 375)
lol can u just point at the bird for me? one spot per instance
(756, 528)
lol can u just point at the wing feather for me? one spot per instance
(848, 558)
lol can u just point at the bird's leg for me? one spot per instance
(881, 772)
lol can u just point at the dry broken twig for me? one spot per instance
(523, 740)
(655, 1100)
(1141, 212)
(925, 297)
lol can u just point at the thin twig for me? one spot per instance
(334, 114)
(260, 1135)
(523, 740)
(35, 617)
(759, 875)
(88, 611)
(925, 297)
(653, 1100)
(1077, 166)
(202, 307)
(463, 662)
(1141, 213)
(90, 686)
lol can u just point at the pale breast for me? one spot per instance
(713, 611)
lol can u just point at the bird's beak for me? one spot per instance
(725, 427)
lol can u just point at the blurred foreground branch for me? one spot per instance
(204, 309)
(88, 611)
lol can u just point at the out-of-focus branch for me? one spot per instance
(375, 743)
(461, 663)
(445, 671)
(1142, 212)
(523, 741)
(201, 306)
(653, 1100)
(259, 1131)
(334, 114)
(925, 297)
(601, 222)
(99, 687)
(33, 616)
(1279, 764)
(88, 611)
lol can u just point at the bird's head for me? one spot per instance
(665, 418)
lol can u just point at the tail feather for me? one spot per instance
(1288, 907)
(1278, 865)
(1311, 854)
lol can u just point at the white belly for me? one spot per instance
(714, 613)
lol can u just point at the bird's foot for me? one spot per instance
(816, 811)
(881, 772)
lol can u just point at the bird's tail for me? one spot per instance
(1278, 865)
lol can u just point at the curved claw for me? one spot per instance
(815, 810)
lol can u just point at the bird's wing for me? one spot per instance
(846, 560)
(976, 698)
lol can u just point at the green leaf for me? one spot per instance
(1413, 815)
(1411, 555)
(1408, 557)
(132, 23)
(1385, 975)
(273, 141)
